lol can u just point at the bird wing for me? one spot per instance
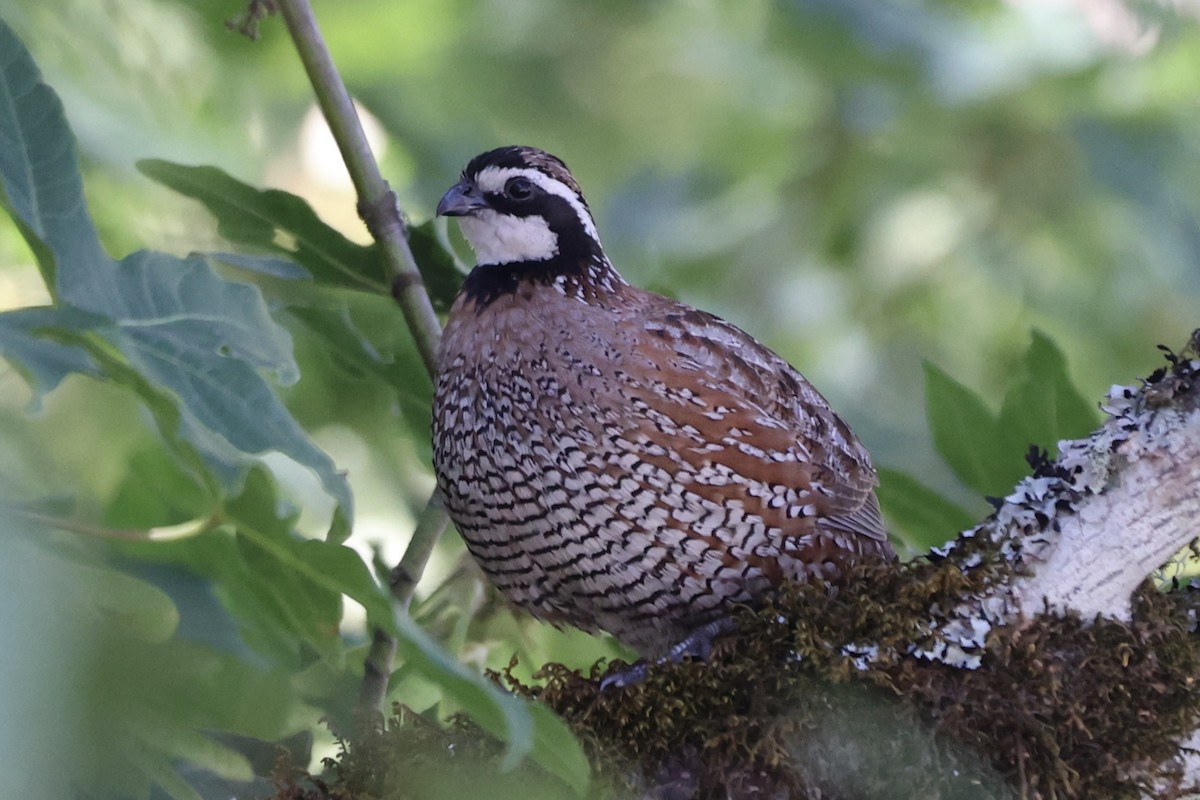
(713, 396)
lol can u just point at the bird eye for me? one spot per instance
(519, 188)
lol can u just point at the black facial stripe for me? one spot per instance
(574, 242)
(538, 205)
(526, 208)
(522, 158)
(576, 249)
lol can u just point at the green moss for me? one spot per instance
(1060, 708)
(1073, 709)
(410, 756)
(818, 695)
(780, 706)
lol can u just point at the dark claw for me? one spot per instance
(626, 677)
(698, 645)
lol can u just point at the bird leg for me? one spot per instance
(698, 644)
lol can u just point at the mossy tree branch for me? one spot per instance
(1083, 532)
(1142, 508)
(1033, 642)
(1079, 540)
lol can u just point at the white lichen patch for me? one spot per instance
(1083, 531)
(862, 655)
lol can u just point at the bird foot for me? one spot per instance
(635, 673)
(698, 644)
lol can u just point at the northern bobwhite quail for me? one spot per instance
(616, 460)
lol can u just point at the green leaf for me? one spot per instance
(528, 729)
(164, 736)
(74, 328)
(925, 518)
(40, 185)
(158, 769)
(192, 345)
(987, 451)
(280, 614)
(206, 340)
(156, 703)
(967, 434)
(284, 589)
(138, 697)
(1044, 406)
(362, 341)
(270, 266)
(131, 606)
(557, 750)
(353, 353)
(307, 563)
(44, 363)
(156, 491)
(275, 221)
(279, 222)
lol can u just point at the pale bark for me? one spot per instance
(1147, 511)
(1085, 533)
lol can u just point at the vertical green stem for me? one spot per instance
(380, 210)
(377, 202)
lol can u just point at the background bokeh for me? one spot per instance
(862, 185)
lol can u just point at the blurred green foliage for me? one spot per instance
(862, 185)
(195, 350)
(866, 186)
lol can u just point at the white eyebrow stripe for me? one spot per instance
(492, 179)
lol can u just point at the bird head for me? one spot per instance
(521, 205)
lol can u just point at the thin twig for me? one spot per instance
(407, 574)
(376, 201)
(379, 209)
(402, 582)
(377, 670)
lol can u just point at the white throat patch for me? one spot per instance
(505, 239)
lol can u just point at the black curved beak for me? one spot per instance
(462, 200)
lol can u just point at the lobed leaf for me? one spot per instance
(275, 221)
(193, 346)
(967, 434)
(45, 363)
